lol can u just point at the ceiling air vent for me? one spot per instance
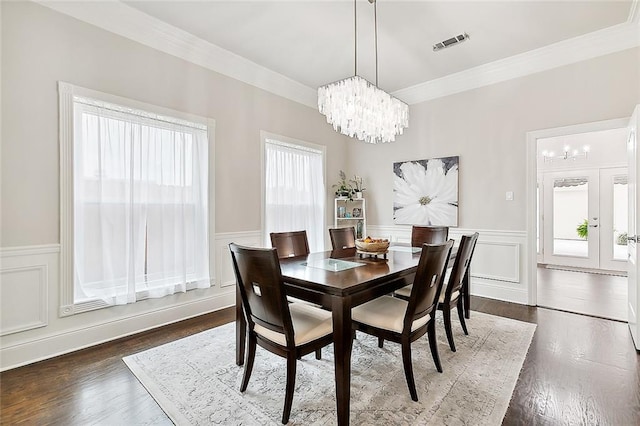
(450, 42)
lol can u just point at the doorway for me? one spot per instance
(583, 218)
(576, 213)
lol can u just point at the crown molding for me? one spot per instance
(124, 20)
(598, 43)
(121, 19)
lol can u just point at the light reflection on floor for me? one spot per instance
(581, 292)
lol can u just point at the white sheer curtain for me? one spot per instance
(140, 204)
(294, 191)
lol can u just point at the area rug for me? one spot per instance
(196, 382)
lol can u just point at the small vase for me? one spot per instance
(358, 195)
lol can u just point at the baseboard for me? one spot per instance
(584, 270)
(494, 290)
(70, 341)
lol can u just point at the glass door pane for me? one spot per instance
(570, 216)
(620, 217)
(538, 216)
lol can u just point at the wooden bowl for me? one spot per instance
(373, 247)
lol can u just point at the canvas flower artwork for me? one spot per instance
(425, 192)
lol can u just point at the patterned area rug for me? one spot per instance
(195, 380)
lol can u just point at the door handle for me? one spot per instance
(593, 226)
(633, 238)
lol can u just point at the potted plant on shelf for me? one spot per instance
(343, 188)
(358, 186)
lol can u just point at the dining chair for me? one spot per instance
(290, 244)
(341, 253)
(451, 295)
(290, 330)
(428, 234)
(419, 236)
(342, 238)
(401, 321)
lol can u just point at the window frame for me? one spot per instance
(66, 94)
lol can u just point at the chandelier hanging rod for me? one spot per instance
(375, 32)
(355, 36)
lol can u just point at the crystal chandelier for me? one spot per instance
(357, 108)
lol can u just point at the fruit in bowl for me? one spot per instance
(372, 245)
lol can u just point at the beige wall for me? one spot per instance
(40, 47)
(487, 128)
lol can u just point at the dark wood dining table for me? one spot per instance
(340, 291)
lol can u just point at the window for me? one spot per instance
(294, 189)
(139, 201)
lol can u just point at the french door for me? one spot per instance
(582, 218)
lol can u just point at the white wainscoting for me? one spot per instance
(32, 330)
(24, 287)
(226, 276)
(498, 268)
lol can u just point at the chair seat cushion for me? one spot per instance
(404, 291)
(385, 312)
(309, 323)
(453, 296)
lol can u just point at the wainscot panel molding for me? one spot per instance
(34, 330)
(498, 269)
(223, 260)
(24, 287)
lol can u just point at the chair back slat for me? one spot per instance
(428, 281)
(290, 244)
(461, 265)
(342, 238)
(259, 280)
(428, 234)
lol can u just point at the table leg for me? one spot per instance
(466, 298)
(241, 329)
(342, 343)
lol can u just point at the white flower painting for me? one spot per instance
(425, 192)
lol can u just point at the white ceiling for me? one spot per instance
(291, 47)
(312, 42)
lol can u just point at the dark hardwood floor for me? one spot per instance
(599, 295)
(579, 370)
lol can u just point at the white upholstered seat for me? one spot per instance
(309, 323)
(385, 312)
